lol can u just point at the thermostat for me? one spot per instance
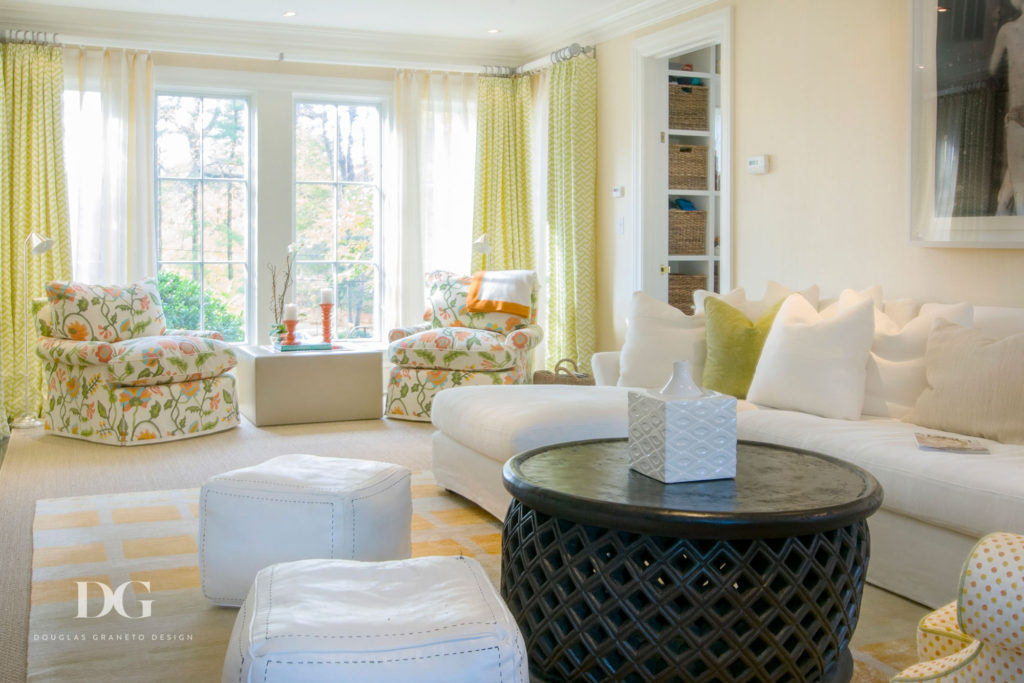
(758, 165)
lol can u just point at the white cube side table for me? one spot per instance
(296, 387)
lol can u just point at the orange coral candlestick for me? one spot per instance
(290, 326)
(326, 310)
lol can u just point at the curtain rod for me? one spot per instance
(16, 35)
(555, 57)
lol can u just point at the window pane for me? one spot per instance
(177, 136)
(358, 144)
(316, 127)
(180, 295)
(225, 220)
(179, 204)
(225, 137)
(355, 313)
(314, 221)
(224, 300)
(357, 214)
(310, 278)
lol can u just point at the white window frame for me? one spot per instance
(381, 104)
(272, 100)
(206, 91)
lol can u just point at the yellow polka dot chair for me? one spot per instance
(115, 374)
(980, 637)
(466, 339)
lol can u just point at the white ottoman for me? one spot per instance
(425, 619)
(297, 507)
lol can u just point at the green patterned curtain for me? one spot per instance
(572, 179)
(33, 197)
(501, 206)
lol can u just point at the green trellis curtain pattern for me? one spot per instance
(501, 206)
(572, 179)
(33, 197)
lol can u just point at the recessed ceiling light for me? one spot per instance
(289, 13)
(941, 9)
(493, 30)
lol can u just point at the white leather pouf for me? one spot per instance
(297, 507)
(425, 619)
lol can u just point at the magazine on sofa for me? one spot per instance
(948, 444)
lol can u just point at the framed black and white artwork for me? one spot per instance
(966, 151)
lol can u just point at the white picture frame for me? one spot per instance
(935, 216)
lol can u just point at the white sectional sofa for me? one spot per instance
(937, 504)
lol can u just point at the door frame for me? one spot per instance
(649, 53)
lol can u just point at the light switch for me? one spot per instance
(618, 192)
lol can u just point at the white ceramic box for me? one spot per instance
(682, 439)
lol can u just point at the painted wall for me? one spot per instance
(821, 87)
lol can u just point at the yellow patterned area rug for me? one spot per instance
(151, 536)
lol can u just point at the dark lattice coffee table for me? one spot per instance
(612, 575)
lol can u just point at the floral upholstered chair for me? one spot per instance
(980, 636)
(116, 375)
(459, 346)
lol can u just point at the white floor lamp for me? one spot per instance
(480, 246)
(36, 244)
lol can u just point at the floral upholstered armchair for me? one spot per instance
(116, 375)
(459, 346)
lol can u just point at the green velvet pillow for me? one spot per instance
(734, 345)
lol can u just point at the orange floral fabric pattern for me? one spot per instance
(84, 404)
(411, 391)
(162, 360)
(452, 348)
(106, 313)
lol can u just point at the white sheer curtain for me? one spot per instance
(540, 82)
(108, 121)
(435, 134)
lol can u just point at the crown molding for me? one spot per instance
(630, 16)
(257, 40)
(297, 43)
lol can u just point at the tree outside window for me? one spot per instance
(337, 214)
(202, 178)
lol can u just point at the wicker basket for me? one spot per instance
(688, 167)
(681, 289)
(686, 231)
(687, 106)
(562, 375)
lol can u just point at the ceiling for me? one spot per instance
(392, 32)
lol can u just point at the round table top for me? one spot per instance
(777, 492)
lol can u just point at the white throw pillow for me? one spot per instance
(896, 368)
(975, 384)
(775, 293)
(849, 296)
(754, 309)
(736, 298)
(657, 335)
(815, 365)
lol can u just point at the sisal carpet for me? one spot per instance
(41, 466)
(152, 537)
